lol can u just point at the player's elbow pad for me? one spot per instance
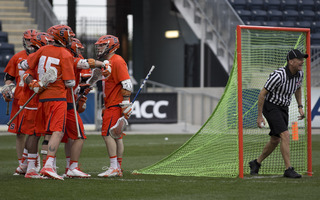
(8, 77)
(127, 85)
(83, 64)
(70, 83)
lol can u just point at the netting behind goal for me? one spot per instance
(223, 146)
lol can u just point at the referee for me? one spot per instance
(273, 102)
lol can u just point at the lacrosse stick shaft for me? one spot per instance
(8, 107)
(75, 113)
(19, 111)
(144, 81)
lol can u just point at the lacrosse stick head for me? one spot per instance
(117, 130)
(11, 86)
(50, 76)
(7, 89)
(96, 76)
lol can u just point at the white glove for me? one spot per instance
(24, 65)
(7, 92)
(126, 107)
(106, 71)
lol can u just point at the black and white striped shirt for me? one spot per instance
(281, 85)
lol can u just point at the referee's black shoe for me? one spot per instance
(290, 173)
(254, 167)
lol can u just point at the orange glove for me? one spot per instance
(91, 62)
(7, 95)
(36, 86)
(82, 104)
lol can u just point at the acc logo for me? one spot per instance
(316, 109)
(140, 111)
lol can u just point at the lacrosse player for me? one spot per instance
(28, 114)
(117, 88)
(72, 139)
(52, 108)
(13, 72)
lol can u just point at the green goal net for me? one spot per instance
(216, 149)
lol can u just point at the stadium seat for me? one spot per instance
(3, 37)
(245, 15)
(4, 59)
(317, 16)
(307, 15)
(253, 23)
(291, 15)
(275, 15)
(315, 27)
(271, 23)
(316, 5)
(273, 4)
(260, 15)
(315, 38)
(287, 24)
(239, 4)
(290, 5)
(256, 5)
(6, 52)
(6, 49)
(303, 24)
(307, 5)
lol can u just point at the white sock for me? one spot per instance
(74, 164)
(68, 162)
(32, 157)
(114, 162)
(50, 162)
(55, 164)
(24, 160)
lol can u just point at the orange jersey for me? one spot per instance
(14, 70)
(27, 93)
(112, 86)
(62, 60)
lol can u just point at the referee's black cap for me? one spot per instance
(295, 53)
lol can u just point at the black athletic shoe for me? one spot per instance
(254, 167)
(290, 173)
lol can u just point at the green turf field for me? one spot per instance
(142, 151)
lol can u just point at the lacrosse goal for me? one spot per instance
(230, 138)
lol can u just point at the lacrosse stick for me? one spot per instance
(75, 112)
(8, 107)
(96, 75)
(8, 88)
(116, 130)
(50, 76)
